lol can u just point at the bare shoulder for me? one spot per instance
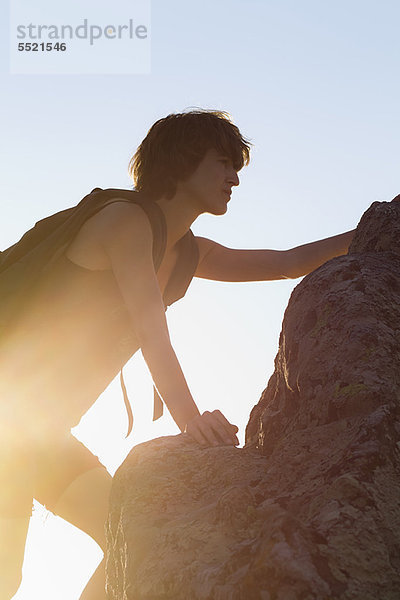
(118, 225)
(119, 222)
(121, 215)
(124, 230)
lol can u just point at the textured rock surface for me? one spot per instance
(310, 508)
(181, 520)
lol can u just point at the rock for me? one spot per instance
(379, 229)
(179, 523)
(310, 508)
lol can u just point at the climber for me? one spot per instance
(103, 297)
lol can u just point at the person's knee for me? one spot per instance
(84, 503)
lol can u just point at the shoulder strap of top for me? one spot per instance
(152, 210)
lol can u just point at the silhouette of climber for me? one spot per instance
(100, 300)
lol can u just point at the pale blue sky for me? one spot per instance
(315, 87)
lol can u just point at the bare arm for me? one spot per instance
(228, 264)
(127, 240)
(304, 259)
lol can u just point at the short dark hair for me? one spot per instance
(175, 145)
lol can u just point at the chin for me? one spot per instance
(217, 211)
(224, 209)
(220, 209)
(217, 206)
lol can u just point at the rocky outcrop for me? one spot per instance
(180, 521)
(310, 508)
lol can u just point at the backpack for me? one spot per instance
(22, 263)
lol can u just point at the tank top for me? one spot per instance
(76, 328)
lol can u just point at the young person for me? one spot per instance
(100, 299)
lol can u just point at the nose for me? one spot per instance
(233, 178)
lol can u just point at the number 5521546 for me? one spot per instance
(42, 47)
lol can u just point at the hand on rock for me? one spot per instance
(212, 429)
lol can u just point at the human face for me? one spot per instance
(210, 186)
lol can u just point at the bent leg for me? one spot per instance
(85, 504)
(79, 494)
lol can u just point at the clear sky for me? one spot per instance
(314, 86)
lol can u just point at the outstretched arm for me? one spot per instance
(228, 264)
